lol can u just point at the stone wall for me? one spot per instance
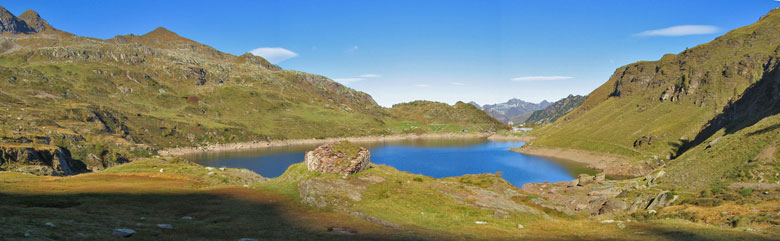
(326, 160)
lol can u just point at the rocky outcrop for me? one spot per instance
(595, 195)
(644, 141)
(54, 161)
(592, 195)
(612, 206)
(335, 159)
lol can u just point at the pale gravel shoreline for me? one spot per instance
(611, 165)
(362, 139)
(511, 138)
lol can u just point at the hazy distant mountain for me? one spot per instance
(515, 110)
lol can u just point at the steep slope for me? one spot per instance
(556, 110)
(671, 107)
(513, 110)
(107, 101)
(740, 145)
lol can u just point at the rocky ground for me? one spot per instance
(595, 195)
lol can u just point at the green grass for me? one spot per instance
(731, 159)
(349, 149)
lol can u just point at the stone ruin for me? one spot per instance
(329, 158)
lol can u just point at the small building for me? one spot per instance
(521, 129)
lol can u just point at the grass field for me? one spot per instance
(138, 196)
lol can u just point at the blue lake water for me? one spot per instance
(436, 158)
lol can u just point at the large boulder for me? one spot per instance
(612, 206)
(338, 158)
(585, 179)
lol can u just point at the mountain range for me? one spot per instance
(556, 110)
(103, 102)
(514, 110)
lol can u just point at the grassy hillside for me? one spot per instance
(427, 116)
(105, 101)
(672, 108)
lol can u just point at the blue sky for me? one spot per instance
(398, 51)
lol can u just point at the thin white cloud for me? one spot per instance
(681, 30)
(540, 78)
(274, 55)
(348, 80)
(356, 79)
(353, 49)
(422, 85)
(457, 83)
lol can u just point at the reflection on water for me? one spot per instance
(430, 157)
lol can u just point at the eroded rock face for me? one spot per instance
(56, 161)
(330, 158)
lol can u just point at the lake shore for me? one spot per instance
(497, 137)
(360, 139)
(611, 165)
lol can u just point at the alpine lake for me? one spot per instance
(431, 157)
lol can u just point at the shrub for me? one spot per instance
(706, 193)
(718, 188)
(193, 100)
(746, 191)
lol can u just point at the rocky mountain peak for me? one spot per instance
(34, 21)
(514, 109)
(164, 35)
(9, 23)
